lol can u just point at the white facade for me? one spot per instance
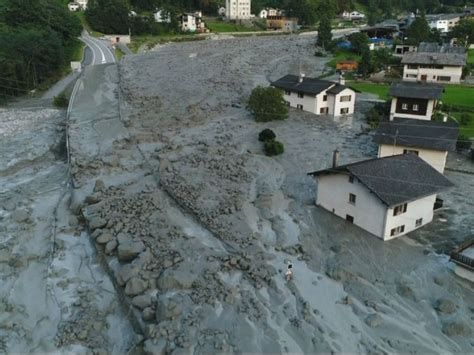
(353, 15)
(432, 73)
(443, 24)
(192, 22)
(162, 16)
(427, 116)
(368, 212)
(436, 158)
(463, 272)
(238, 9)
(263, 14)
(323, 103)
(221, 11)
(74, 6)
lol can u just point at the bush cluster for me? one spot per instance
(271, 146)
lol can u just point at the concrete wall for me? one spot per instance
(121, 38)
(422, 208)
(427, 116)
(464, 272)
(454, 72)
(436, 158)
(368, 212)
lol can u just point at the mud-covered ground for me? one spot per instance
(197, 224)
(54, 295)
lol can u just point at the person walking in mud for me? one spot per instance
(289, 272)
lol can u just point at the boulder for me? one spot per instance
(373, 320)
(104, 238)
(110, 246)
(129, 250)
(135, 286)
(457, 329)
(92, 199)
(155, 346)
(142, 301)
(5, 256)
(97, 222)
(126, 273)
(175, 279)
(20, 216)
(168, 309)
(99, 186)
(446, 306)
(148, 314)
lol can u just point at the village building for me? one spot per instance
(221, 11)
(320, 97)
(74, 6)
(444, 23)
(463, 258)
(347, 65)
(430, 140)
(434, 63)
(388, 197)
(352, 15)
(264, 13)
(192, 22)
(401, 49)
(238, 9)
(282, 23)
(162, 16)
(414, 100)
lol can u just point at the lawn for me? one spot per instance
(378, 89)
(458, 95)
(343, 55)
(468, 128)
(470, 56)
(223, 26)
(151, 41)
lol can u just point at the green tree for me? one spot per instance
(266, 135)
(419, 31)
(108, 16)
(273, 147)
(464, 32)
(267, 104)
(324, 33)
(359, 42)
(365, 67)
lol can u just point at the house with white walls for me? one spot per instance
(162, 16)
(414, 100)
(238, 9)
(192, 22)
(429, 140)
(317, 96)
(444, 23)
(352, 15)
(434, 63)
(74, 6)
(388, 197)
(269, 11)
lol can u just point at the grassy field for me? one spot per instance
(151, 41)
(223, 26)
(381, 90)
(119, 53)
(343, 55)
(466, 129)
(470, 56)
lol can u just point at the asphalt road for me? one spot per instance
(101, 52)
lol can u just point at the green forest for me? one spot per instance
(37, 40)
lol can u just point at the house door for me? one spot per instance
(424, 77)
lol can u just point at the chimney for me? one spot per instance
(335, 158)
(301, 77)
(342, 80)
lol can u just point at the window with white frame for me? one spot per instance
(346, 98)
(415, 107)
(404, 106)
(352, 199)
(419, 222)
(400, 209)
(398, 230)
(299, 107)
(344, 110)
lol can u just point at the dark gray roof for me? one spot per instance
(418, 134)
(337, 89)
(433, 47)
(416, 90)
(395, 179)
(452, 59)
(308, 85)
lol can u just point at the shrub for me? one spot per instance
(373, 118)
(463, 143)
(273, 147)
(61, 100)
(267, 104)
(465, 118)
(266, 135)
(319, 53)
